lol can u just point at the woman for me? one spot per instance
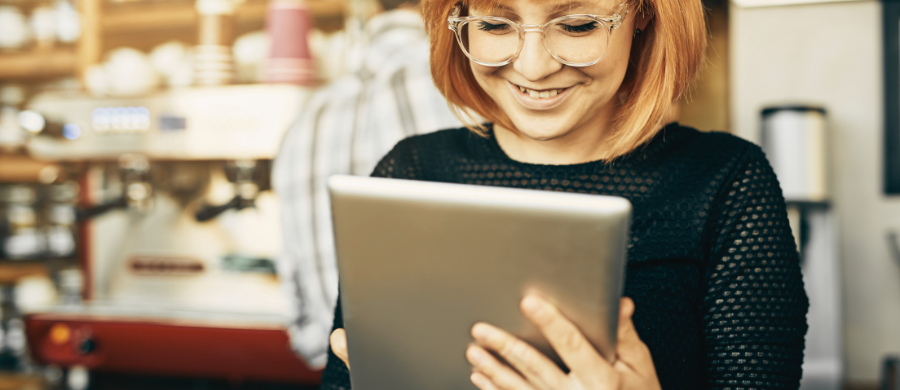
(576, 94)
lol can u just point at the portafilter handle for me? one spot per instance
(134, 170)
(245, 188)
(209, 212)
(91, 212)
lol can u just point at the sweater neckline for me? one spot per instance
(498, 151)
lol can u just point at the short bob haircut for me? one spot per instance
(664, 60)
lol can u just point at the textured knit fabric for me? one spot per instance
(712, 266)
(345, 129)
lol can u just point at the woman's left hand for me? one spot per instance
(632, 369)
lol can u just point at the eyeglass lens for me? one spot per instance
(576, 40)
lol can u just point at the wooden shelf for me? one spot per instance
(142, 25)
(149, 17)
(11, 380)
(11, 271)
(15, 168)
(38, 64)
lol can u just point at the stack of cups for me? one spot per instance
(213, 59)
(288, 25)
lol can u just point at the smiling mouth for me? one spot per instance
(541, 93)
(539, 99)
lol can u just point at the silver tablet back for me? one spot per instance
(421, 262)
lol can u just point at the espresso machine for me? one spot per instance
(178, 230)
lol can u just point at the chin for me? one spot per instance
(541, 129)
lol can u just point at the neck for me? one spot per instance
(585, 144)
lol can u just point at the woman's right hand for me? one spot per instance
(339, 345)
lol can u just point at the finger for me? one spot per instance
(482, 382)
(339, 345)
(565, 338)
(537, 368)
(499, 374)
(630, 350)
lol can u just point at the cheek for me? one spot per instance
(486, 79)
(610, 72)
(620, 51)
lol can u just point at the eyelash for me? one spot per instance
(485, 26)
(580, 28)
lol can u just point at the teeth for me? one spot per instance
(539, 94)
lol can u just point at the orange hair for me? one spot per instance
(664, 60)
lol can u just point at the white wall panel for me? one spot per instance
(829, 54)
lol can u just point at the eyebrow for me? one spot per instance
(501, 7)
(555, 8)
(564, 6)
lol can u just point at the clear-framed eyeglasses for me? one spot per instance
(574, 40)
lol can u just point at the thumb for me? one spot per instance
(630, 350)
(339, 345)
(626, 326)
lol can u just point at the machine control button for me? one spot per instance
(87, 346)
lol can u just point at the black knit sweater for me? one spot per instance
(712, 266)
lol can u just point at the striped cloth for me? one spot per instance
(345, 129)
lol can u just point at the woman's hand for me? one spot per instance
(633, 368)
(339, 345)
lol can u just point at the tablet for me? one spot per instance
(421, 262)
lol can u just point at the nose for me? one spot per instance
(534, 61)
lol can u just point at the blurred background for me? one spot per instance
(139, 230)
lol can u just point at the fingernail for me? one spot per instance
(481, 331)
(532, 304)
(475, 356)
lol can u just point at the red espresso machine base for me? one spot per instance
(193, 347)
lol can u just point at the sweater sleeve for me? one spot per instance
(400, 163)
(753, 309)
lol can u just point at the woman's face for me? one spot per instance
(584, 96)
